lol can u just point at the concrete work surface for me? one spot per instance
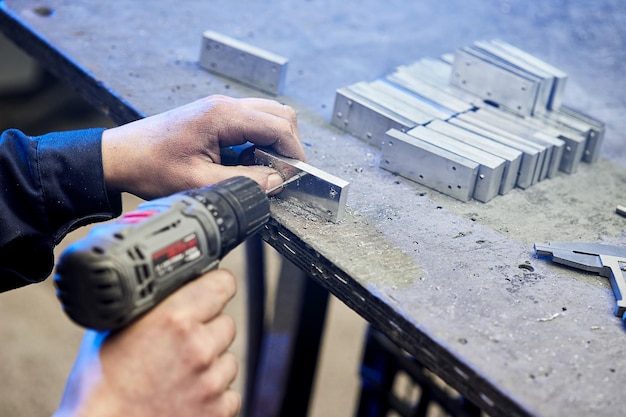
(455, 284)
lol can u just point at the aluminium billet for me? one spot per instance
(394, 100)
(242, 62)
(431, 68)
(433, 93)
(414, 101)
(575, 137)
(317, 191)
(556, 146)
(495, 83)
(530, 153)
(535, 154)
(490, 169)
(437, 72)
(511, 156)
(560, 77)
(429, 165)
(364, 118)
(545, 79)
(595, 135)
(571, 142)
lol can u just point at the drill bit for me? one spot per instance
(289, 181)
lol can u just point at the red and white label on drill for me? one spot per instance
(176, 254)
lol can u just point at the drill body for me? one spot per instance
(123, 268)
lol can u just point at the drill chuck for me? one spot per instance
(122, 269)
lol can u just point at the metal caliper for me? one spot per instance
(605, 260)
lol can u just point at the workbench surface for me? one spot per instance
(455, 284)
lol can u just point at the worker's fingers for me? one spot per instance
(260, 121)
(215, 339)
(266, 177)
(228, 404)
(220, 375)
(205, 297)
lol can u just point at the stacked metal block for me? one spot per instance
(473, 124)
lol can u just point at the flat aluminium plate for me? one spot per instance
(511, 156)
(242, 62)
(560, 77)
(555, 146)
(317, 191)
(491, 167)
(414, 101)
(364, 118)
(546, 80)
(494, 83)
(446, 99)
(569, 144)
(591, 129)
(528, 145)
(429, 165)
(395, 100)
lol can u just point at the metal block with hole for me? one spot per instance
(494, 82)
(511, 156)
(364, 118)
(315, 190)
(429, 165)
(490, 167)
(531, 153)
(242, 62)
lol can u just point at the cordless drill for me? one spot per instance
(122, 269)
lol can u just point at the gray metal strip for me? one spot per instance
(395, 100)
(438, 95)
(242, 62)
(414, 101)
(568, 142)
(317, 191)
(429, 165)
(511, 156)
(530, 154)
(491, 167)
(546, 81)
(595, 135)
(560, 77)
(365, 119)
(527, 146)
(471, 73)
(523, 127)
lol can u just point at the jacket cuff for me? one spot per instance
(72, 180)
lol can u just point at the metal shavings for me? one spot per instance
(552, 317)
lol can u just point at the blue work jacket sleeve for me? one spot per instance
(50, 185)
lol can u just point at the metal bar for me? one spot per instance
(242, 62)
(566, 140)
(530, 154)
(318, 192)
(490, 169)
(435, 93)
(510, 155)
(522, 141)
(554, 145)
(396, 101)
(514, 62)
(495, 83)
(364, 118)
(560, 77)
(427, 164)
(595, 135)
(414, 101)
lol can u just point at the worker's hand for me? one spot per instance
(180, 149)
(171, 362)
